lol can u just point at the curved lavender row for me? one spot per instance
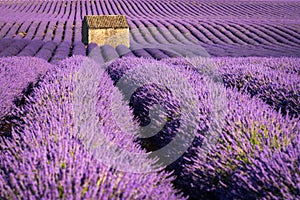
(4, 43)
(91, 46)
(263, 78)
(109, 53)
(146, 96)
(62, 52)
(170, 54)
(14, 48)
(94, 52)
(16, 74)
(17, 77)
(157, 53)
(124, 51)
(142, 100)
(46, 51)
(79, 49)
(276, 175)
(257, 156)
(284, 64)
(141, 53)
(32, 48)
(107, 98)
(266, 80)
(52, 163)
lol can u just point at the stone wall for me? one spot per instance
(111, 36)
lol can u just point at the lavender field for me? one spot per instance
(204, 104)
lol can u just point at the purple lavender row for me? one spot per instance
(52, 161)
(79, 49)
(87, 71)
(32, 48)
(62, 52)
(109, 53)
(17, 77)
(14, 48)
(266, 80)
(275, 80)
(156, 53)
(4, 43)
(256, 157)
(94, 52)
(16, 74)
(284, 64)
(153, 136)
(46, 51)
(141, 53)
(249, 127)
(124, 51)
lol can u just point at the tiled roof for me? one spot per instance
(106, 21)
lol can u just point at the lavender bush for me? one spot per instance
(109, 53)
(276, 81)
(124, 51)
(17, 77)
(62, 52)
(284, 64)
(32, 48)
(14, 48)
(4, 43)
(46, 51)
(155, 86)
(256, 148)
(79, 49)
(52, 160)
